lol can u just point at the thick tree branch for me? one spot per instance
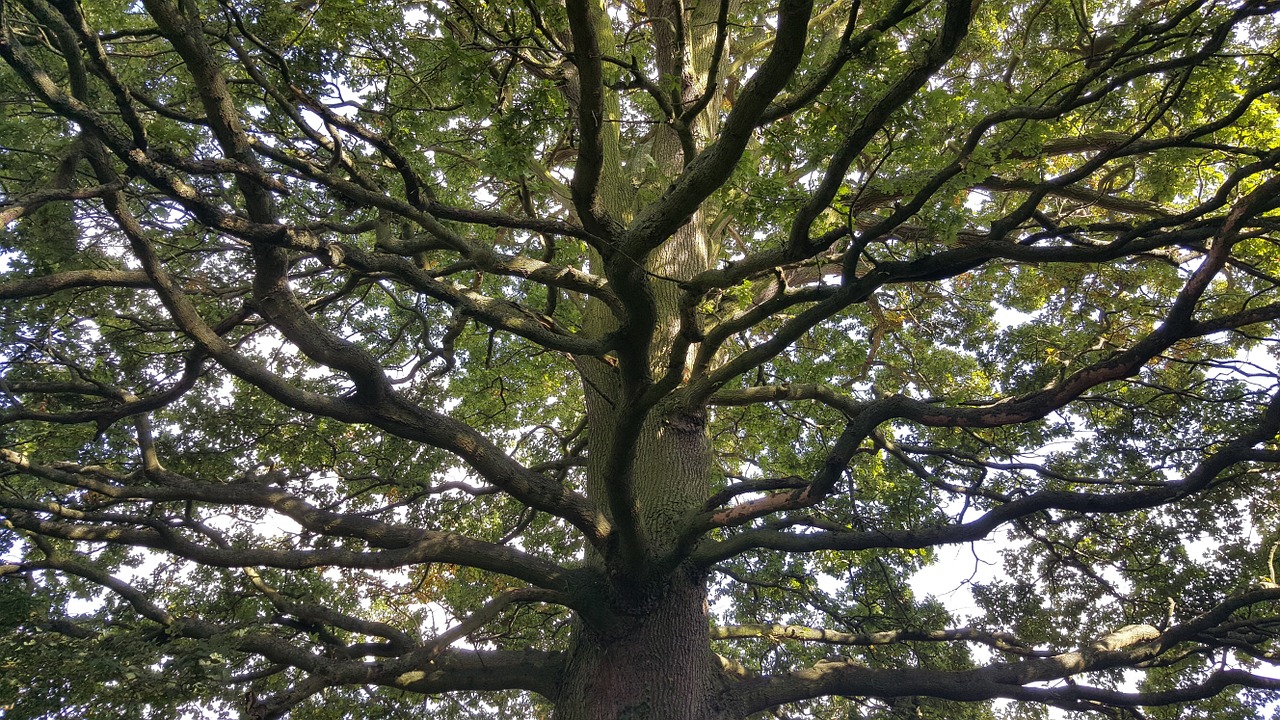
(49, 284)
(1127, 646)
(707, 172)
(1002, 641)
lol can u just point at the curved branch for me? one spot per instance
(1199, 479)
(398, 545)
(429, 548)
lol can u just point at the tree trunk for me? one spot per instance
(652, 662)
(647, 654)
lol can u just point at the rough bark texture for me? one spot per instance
(652, 663)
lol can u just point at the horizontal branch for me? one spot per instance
(16, 208)
(791, 392)
(57, 282)
(1129, 646)
(1004, 642)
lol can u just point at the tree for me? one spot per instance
(626, 360)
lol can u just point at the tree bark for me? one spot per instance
(652, 661)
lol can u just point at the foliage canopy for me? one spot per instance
(363, 358)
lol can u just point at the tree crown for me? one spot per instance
(356, 352)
